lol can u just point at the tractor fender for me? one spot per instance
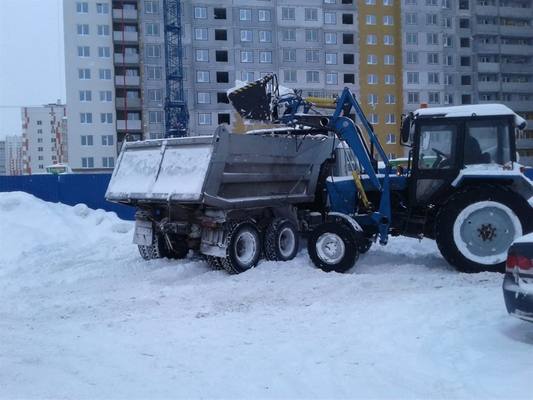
(351, 222)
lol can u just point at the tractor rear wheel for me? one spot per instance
(477, 225)
(333, 247)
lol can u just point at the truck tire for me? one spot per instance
(333, 247)
(243, 247)
(214, 262)
(156, 250)
(281, 240)
(477, 225)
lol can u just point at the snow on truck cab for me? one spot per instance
(238, 197)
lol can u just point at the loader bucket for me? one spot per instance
(252, 101)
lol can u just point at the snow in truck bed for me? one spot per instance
(82, 316)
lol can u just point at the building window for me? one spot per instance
(154, 73)
(84, 73)
(221, 34)
(330, 38)
(464, 42)
(391, 138)
(332, 78)
(390, 79)
(372, 99)
(204, 118)
(108, 140)
(410, 19)
(202, 76)
(388, 59)
(265, 56)
(411, 38)
(330, 18)
(390, 99)
(433, 78)
(370, 19)
(103, 30)
(108, 162)
(412, 57)
(86, 118)
(106, 118)
(312, 56)
(465, 61)
(413, 98)
(311, 14)
(153, 50)
(222, 77)
(412, 78)
(312, 76)
(39, 122)
(200, 33)
(82, 7)
(432, 38)
(85, 95)
(347, 38)
(372, 39)
(388, 40)
(288, 13)
(348, 59)
(245, 14)
(202, 55)
(87, 162)
(265, 16)
(82, 29)
(86, 140)
(372, 79)
(247, 76)
(155, 117)
(431, 19)
(223, 118)
(219, 13)
(84, 51)
(152, 29)
(289, 75)
(247, 56)
(221, 56)
(289, 55)
(265, 36)
(433, 97)
(311, 35)
(331, 58)
(433, 58)
(390, 118)
(222, 98)
(200, 12)
(388, 20)
(104, 52)
(466, 80)
(246, 35)
(371, 59)
(349, 78)
(373, 118)
(102, 8)
(155, 95)
(347, 19)
(151, 7)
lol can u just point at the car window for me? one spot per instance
(487, 142)
(437, 146)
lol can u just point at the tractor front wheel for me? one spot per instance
(332, 247)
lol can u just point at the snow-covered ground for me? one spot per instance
(82, 316)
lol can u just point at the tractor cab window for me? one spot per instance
(487, 142)
(437, 146)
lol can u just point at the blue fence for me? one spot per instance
(69, 189)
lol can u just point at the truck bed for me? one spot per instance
(224, 170)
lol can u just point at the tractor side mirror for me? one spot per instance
(405, 129)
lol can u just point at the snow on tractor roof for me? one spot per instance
(470, 110)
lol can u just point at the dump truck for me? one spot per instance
(237, 198)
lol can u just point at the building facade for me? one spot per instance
(14, 155)
(43, 137)
(2, 157)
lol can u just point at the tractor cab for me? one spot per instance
(445, 141)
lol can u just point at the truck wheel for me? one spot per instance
(243, 247)
(156, 250)
(476, 227)
(214, 262)
(332, 247)
(281, 240)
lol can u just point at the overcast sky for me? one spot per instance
(32, 65)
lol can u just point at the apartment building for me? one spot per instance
(14, 155)
(311, 44)
(44, 140)
(380, 69)
(470, 51)
(2, 157)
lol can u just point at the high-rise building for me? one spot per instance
(470, 51)
(43, 137)
(380, 69)
(2, 157)
(14, 156)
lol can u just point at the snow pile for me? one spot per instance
(83, 316)
(28, 223)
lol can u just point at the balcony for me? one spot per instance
(130, 103)
(121, 80)
(126, 37)
(490, 29)
(489, 86)
(491, 67)
(509, 68)
(513, 30)
(517, 49)
(518, 87)
(487, 48)
(126, 15)
(127, 59)
(515, 12)
(132, 125)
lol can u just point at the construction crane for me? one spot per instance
(176, 113)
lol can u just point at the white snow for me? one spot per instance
(468, 110)
(525, 238)
(82, 316)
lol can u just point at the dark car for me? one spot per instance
(518, 282)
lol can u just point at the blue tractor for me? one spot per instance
(461, 186)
